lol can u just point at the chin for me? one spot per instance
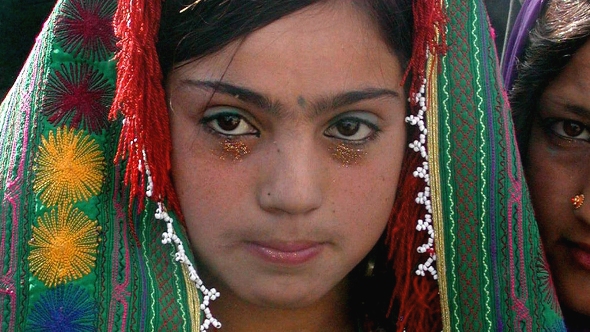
(286, 301)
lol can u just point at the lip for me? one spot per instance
(286, 253)
(581, 254)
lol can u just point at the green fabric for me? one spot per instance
(117, 282)
(496, 274)
(492, 273)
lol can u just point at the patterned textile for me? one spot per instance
(495, 277)
(71, 261)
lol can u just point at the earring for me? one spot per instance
(370, 269)
(578, 201)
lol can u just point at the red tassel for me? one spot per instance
(140, 98)
(429, 38)
(416, 296)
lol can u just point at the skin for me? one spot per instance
(278, 227)
(558, 169)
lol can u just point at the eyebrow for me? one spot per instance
(275, 107)
(578, 110)
(352, 97)
(238, 92)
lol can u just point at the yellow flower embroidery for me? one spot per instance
(69, 167)
(63, 246)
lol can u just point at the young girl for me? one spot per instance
(549, 97)
(292, 175)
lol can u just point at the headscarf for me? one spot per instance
(90, 240)
(527, 16)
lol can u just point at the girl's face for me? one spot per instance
(559, 169)
(287, 147)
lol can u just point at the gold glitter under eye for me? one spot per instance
(346, 154)
(233, 150)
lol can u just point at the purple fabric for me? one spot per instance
(525, 20)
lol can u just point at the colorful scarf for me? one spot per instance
(77, 256)
(527, 16)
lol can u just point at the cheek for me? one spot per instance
(551, 184)
(206, 180)
(367, 205)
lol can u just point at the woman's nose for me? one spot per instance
(291, 179)
(581, 201)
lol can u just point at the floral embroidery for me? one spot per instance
(63, 246)
(65, 308)
(68, 168)
(85, 28)
(78, 96)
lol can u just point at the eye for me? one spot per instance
(228, 122)
(570, 129)
(353, 129)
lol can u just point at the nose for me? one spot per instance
(291, 179)
(581, 202)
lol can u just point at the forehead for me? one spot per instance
(327, 42)
(576, 74)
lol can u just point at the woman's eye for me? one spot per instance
(351, 129)
(571, 130)
(228, 123)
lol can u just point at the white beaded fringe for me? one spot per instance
(422, 172)
(170, 237)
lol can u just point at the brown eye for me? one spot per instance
(571, 128)
(348, 127)
(356, 127)
(228, 122)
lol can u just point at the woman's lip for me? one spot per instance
(581, 254)
(286, 253)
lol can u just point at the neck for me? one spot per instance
(329, 314)
(576, 322)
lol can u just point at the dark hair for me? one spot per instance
(207, 26)
(192, 31)
(563, 27)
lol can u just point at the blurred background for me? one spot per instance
(21, 21)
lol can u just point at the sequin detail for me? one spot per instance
(68, 168)
(347, 155)
(63, 247)
(234, 150)
(65, 308)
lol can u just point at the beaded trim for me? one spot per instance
(170, 237)
(423, 197)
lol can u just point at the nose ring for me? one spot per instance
(578, 201)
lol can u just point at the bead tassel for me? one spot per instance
(416, 297)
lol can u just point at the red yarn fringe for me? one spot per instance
(429, 38)
(416, 297)
(141, 100)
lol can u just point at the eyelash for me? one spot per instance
(373, 134)
(550, 124)
(211, 123)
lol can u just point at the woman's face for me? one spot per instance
(559, 169)
(287, 147)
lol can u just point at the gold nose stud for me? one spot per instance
(578, 201)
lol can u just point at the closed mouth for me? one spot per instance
(286, 252)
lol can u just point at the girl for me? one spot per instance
(280, 182)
